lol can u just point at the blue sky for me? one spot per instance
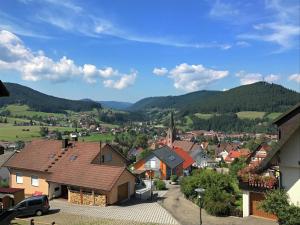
(127, 50)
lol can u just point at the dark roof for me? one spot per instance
(168, 156)
(287, 115)
(6, 156)
(266, 162)
(10, 190)
(3, 90)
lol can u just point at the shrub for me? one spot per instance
(174, 178)
(276, 202)
(217, 203)
(160, 185)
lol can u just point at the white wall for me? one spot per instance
(246, 203)
(52, 192)
(290, 168)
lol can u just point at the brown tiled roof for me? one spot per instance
(35, 156)
(185, 145)
(71, 167)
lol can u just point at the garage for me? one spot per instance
(255, 200)
(123, 192)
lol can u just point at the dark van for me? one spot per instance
(37, 205)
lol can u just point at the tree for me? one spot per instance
(44, 131)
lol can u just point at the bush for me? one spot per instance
(276, 202)
(218, 203)
(160, 185)
(174, 178)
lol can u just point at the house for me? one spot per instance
(259, 154)
(235, 154)
(82, 172)
(4, 172)
(201, 158)
(188, 160)
(283, 160)
(162, 162)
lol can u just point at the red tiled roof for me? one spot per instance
(188, 160)
(185, 145)
(72, 167)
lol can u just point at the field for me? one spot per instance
(273, 116)
(8, 132)
(98, 137)
(204, 116)
(24, 110)
(251, 115)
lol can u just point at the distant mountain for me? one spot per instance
(111, 104)
(38, 101)
(116, 105)
(260, 96)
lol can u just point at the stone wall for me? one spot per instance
(87, 198)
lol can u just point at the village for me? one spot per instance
(162, 180)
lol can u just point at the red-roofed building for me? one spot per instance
(232, 155)
(188, 160)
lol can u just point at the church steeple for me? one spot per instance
(171, 134)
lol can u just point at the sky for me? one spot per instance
(131, 49)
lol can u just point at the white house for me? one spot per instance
(284, 160)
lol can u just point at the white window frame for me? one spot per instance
(19, 178)
(34, 181)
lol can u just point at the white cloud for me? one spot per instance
(242, 44)
(250, 78)
(295, 77)
(283, 27)
(272, 78)
(194, 77)
(125, 81)
(160, 71)
(222, 9)
(34, 66)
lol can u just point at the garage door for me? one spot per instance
(255, 200)
(123, 192)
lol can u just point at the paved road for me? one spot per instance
(187, 213)
(149, 212)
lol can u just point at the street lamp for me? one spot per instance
(200, 191)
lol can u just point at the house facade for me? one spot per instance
(83, 173)
(281, 162)
(162, 162)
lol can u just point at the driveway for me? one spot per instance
(187, 213)
(145, 212)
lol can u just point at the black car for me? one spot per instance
(37, 205)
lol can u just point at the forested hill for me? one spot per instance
(177, 102)
(260, 96)
(41, 102)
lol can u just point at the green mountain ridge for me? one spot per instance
(38, 101)
(260, 96)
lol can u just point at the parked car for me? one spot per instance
(37, 205)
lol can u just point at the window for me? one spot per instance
(108, 157)
(22, 205)
(35, 181)
(19, 178)
(152, 163)
(35, 202)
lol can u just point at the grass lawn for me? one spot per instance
(98, 137)
(24, 110)
(273, 116)
(8, 132)
(250, 115)
(204, 116)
